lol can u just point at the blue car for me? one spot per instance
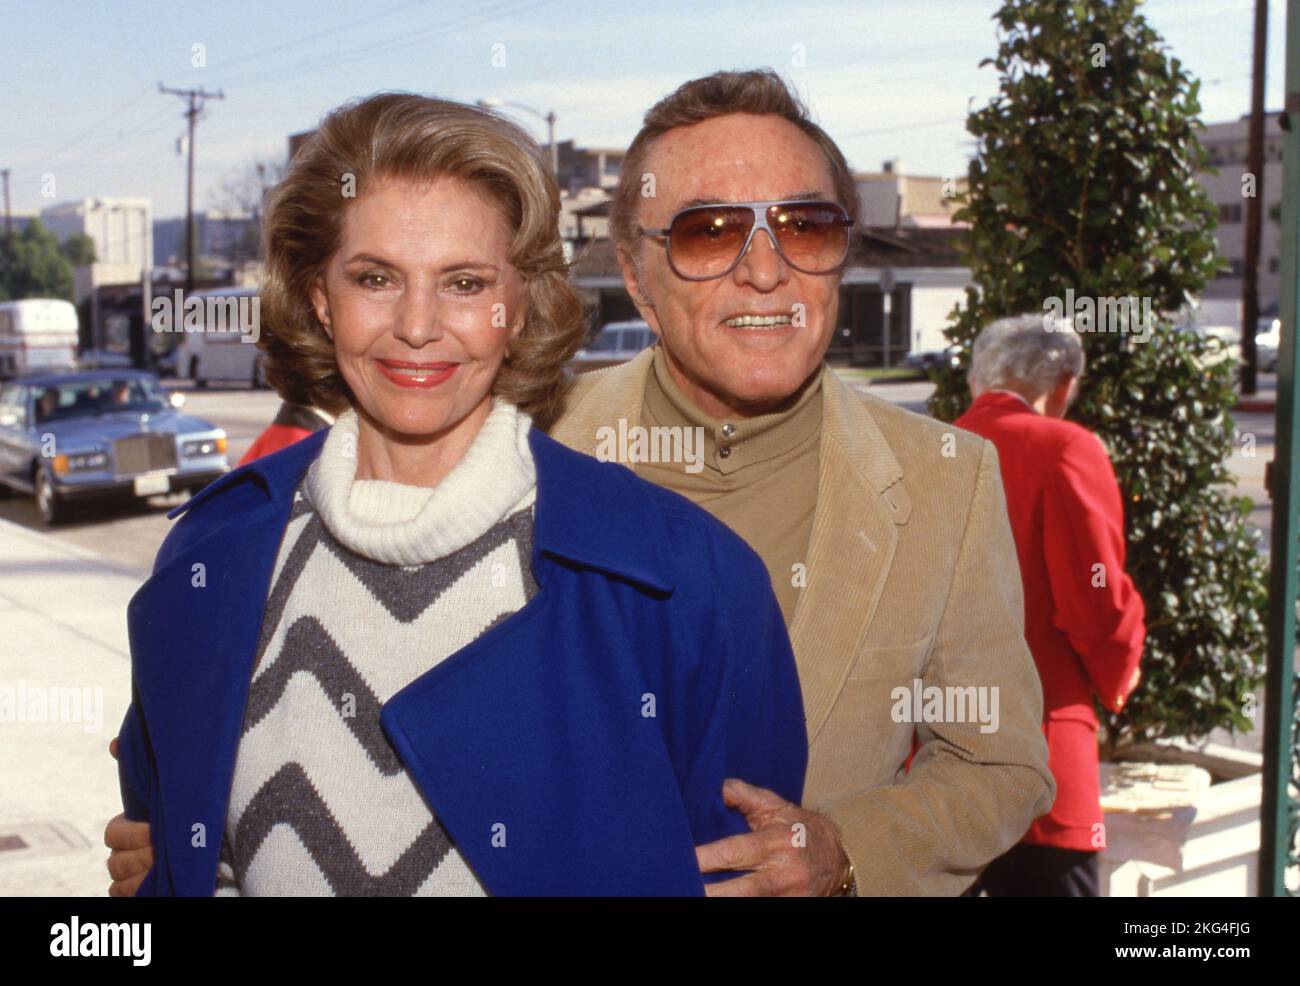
(101, 434)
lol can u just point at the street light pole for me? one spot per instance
(493, 102)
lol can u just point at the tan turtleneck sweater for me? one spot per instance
(759, 476)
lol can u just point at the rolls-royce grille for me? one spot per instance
(145, 453)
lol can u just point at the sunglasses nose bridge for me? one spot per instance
(761, 225)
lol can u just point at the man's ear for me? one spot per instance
(632, 281)
(1058, 401)
(320, 301)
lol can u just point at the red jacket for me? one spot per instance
(292, 423)
(1083, 616)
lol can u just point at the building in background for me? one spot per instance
(221, 239)
(891, 197)
(1228, 145)
(587, 167)
(122, 231)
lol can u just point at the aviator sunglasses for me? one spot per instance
(707, 241)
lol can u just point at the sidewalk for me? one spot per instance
(65, 683)
(1264, 400)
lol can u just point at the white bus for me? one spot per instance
(216, 353)
(37, 335)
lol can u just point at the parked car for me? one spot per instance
(1266, 343)
(617, 342)
(930, 359)
(76, 437)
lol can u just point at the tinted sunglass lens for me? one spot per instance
(813, 236)
(704, 242)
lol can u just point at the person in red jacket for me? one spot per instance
(292, 423)
(1083, 616)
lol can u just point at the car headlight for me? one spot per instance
(204, 446)
(64, 464)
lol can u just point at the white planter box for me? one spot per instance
(1203, 842)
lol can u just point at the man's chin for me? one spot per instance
(760, 393)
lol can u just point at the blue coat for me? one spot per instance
(590, 732)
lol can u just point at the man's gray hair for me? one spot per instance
(1026, 353)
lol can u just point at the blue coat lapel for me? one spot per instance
(493, 733)
(193, 629)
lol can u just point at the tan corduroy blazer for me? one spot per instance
(911, 574)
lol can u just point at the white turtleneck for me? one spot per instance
(374, 584)
(408, 525)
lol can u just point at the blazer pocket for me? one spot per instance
(900, 663)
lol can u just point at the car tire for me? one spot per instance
(53, 509)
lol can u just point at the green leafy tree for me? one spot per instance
(79, 249)
(1086, 179)
(32, 265)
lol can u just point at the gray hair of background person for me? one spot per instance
(1021, 353)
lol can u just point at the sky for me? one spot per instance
(887, 78)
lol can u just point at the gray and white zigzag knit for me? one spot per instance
(374, 584)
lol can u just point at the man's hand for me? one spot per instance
(792, 852)
(132, 854)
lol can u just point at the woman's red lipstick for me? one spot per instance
(420, 375)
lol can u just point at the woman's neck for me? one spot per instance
(383, 453)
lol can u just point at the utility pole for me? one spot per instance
(1254, 204)
(195, 97)
(8, 225)
(9, 221)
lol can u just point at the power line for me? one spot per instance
(368, 19)
(383, 46)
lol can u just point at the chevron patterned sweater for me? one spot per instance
(374, 583)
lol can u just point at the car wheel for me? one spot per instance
(52, 507)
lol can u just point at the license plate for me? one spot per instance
(151, 484)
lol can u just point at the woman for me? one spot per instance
(429, 650)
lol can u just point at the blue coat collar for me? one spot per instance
(567, 483)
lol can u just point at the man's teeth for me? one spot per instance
(757, 321)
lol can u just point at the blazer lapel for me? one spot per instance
(861, 503)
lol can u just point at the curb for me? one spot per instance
(1256, 405)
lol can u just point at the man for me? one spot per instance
(884, 532)
(1083, 617)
